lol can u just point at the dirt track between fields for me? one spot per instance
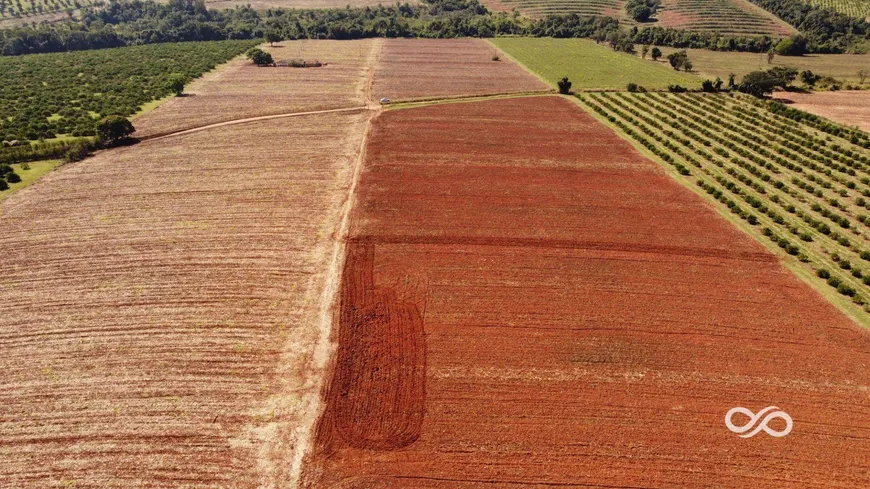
(252, 119)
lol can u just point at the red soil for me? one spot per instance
(424, 68)
(849, 107)
(383, 339)
(587, 322)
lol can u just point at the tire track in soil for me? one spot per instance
(376, 397)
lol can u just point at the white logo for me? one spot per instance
(771, 411)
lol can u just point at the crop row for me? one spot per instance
(747, 162)
(19, 8)
(853, 8)
(547, 7)
(46, 95)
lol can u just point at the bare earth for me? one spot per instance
(850, 107)
(529, 302)
(241, 90)
(160, 307)
(424, 68)
(164, 304)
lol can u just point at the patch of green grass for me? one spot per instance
(61, 138)
(589, 65)
(37, 170)
(711, 64)
(149, 106)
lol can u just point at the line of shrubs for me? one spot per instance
(7, 176)
(111, 131)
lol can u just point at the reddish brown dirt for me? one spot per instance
(428, 68)
(161, 303)
(849, 107)
(587, 321)
(241, 90)
(380, 337)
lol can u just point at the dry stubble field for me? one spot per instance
(432, 68)
(527, 301)
(849, 107)
(241, 90)
(160, 307)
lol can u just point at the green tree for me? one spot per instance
(678, 59)
(644, 51)
(656, 53)
(114, 128)
(759, 83)
(176, 83)
(708, 86)
(272, 36)
(640, 13)
(791, 46)
(564, 85)
(784, 75)
(78, 151)
(809, 78)
(259, 57)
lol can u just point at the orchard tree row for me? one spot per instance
(47, 95)
(803, 189)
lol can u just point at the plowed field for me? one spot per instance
(429, 68)
(527, 301)
(241, 90)
(160, 307)
(849, 107)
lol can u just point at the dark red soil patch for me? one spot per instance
(587, 321)
(376, 398)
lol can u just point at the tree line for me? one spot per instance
(134, 22)
(825, 30)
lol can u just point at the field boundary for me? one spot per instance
(324, 352)
(467, 99)
(528, 70)
(234, 122)
(845, 306)
(421, 100)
